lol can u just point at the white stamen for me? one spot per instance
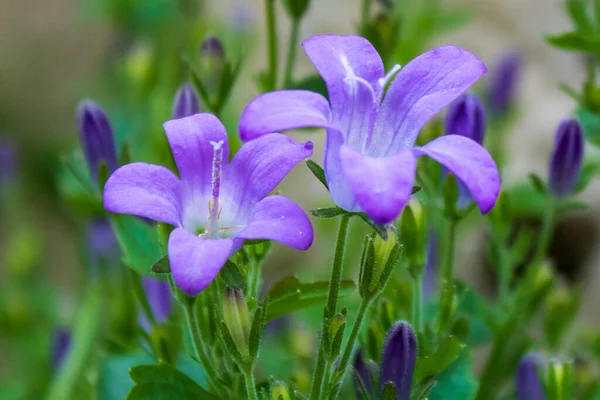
(213, 203)
(384, 81)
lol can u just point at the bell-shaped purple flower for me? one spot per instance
(60, 347)
(159, 298)
(215, 205)
(186, 102)
(567, 158)
(398, 359)
(364, 373)
(504, 83)
(528, 385)
(370, 157)
(96, 137)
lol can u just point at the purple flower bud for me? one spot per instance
(160, 299)
(567, 157)
(528, 385)
(504, 83)
(466, 117)
(186, 102)
(364, 373)
(8, 161)
(430, 270)
(96, 137)
(102, 245)
(60, 347)
(398, 359)
(212, 47)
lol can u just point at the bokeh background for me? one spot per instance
(54, 53)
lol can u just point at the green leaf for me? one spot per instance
(456, 382)
(138, 241)
(114, 382)
(318, 172)
(577, 11)
(448, 350)
(328, 212)
(537, 183)
(162, 381)
(162, 266)
(589, 170)
(204, 96)
(257, 330)
(289, 295)
(590, 122)
(574, 41)
(232, 275)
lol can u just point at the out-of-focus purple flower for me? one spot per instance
(8, 161)
(102, 245)
(398, 359)
(60, 347)
(528, 385)
(364, 373)
(430, 270)
(567, 158)
(370, 158)
(466, 117)
(96, 137)
(503, 84)
(216, 205)
(186, 102)
(212, 47)
(159, 298)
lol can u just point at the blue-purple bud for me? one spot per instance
(102, 245)
(8, 161)
(186, 102)
(60, 347)
(567, 158)
(504, 83)
(159, 298)
(466, 117)
(96, 137)
(430, 270)
(528, 385)
(364, 373)
(398, 359)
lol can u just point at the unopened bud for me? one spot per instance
(296, 8)
(413, 235)
(528, 385)
(279, 391)
(60, 347)
(186, 102)
(466, 117)
(398, 359)
(237, 319)
(212, 62)
(567, 158)
(504, 84)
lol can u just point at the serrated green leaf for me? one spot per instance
(448, 351)
(289, 295)
(162, 381)
(318, 172)
(138, 241)
(232, 275)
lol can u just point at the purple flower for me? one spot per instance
(186, 102)
(398, 359)
(159, 298)
(96, 137)
(567, 158)
(370, 158)
(528, 385)
(364, 373)
(503, 84)
(60, 347)
(215, 205)
(102, 245)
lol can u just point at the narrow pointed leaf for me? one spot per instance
(318, 172)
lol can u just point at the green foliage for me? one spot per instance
(456, 382)
(138, 241)
(163, 382)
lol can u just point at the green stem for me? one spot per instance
(140, 294)
(545, 236)
(194, 330)
(291, 55)
(250, 385)
(341, 369)
(271, 43)
(418, 303)
(364, 13)
(330, 308)
(505, 273)
(448, 270)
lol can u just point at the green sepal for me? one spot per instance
(575, 41)
(296, 8)
(233, 277)
(388, 392)
(335, 335)
(367, 265)
(328, 212)
(229, 344)
(318, 172)
(166, 340)
(162, 266)
(103, 174)
(257, 330)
